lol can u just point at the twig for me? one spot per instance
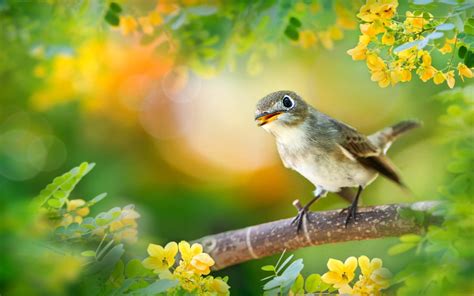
(237, 246)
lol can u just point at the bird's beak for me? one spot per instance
(266, 117)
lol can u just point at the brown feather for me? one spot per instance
(367, 153)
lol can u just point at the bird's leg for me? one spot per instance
(303, 212)
(352, 210)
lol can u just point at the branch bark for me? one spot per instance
(237, 246)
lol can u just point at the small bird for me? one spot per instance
(330, 154)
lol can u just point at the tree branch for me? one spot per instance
(237, 246)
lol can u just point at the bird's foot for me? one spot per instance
(351, 214)
(298, 220)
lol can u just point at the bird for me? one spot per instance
(332, 155)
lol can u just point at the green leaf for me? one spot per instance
(117, 278)
(406, 46)
(445, 27)
(435, 35)
(202, 10)
(115, 7)
(410, 238)
(298, 285)
(470, 21)
(62, 186)
(96, 199)
(422, 2)
(268, 268)
(400, 248)
(135, 268)
(287, 278)
(291, 33)
(55, 203)
(469, 29)
(112, 19)
(284, 263)
(462, 51)
(295, 22)
(104, 267)
(281, 257)
(89, 253)
(103, 219)
(313, 283)
(159, 286)
(469, 59)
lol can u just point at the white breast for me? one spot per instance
(315, 164)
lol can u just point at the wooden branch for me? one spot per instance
(237, 246)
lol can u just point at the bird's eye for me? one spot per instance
(288, 102)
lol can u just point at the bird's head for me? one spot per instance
(284, 108)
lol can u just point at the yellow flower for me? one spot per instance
(77, 205)
(439, 78)
(426, 71)
(367, 266)
(414, 24)
(375, 63)
(409, 55)
(160, 258)
(372, 29)
(378, 9)
(381, 277)
(201, 263)
(464, 71)
(388, 38)
(326, 40)
(450, 78)
(217, 285)
(446, 48)
(307, 39)
(382, 77)
(405, 75)
(167, 6)
(125, 228)
(336, 33)
(128, 24)
(188, 252)
(364, 39)
(340, 274)
(146, 25)
(155, 18)
(358, 53)
(345, 18)
(364, 287)
(68, 219)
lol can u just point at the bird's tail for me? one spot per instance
(384, 138)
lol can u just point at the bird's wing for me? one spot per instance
(356, 143)
(362, 150)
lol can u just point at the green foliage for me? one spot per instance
(292, 28)
(57, 193)
(285, 279)
(442, 265)
(113, 13)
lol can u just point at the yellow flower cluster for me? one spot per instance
(76, 210)
(194, 264)
(378, 36)
(130, 24)
(125, 228)
(372, 280)
(344, 21)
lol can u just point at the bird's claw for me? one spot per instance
(298, 220)
(351, 213)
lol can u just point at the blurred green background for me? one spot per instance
(179, 143)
